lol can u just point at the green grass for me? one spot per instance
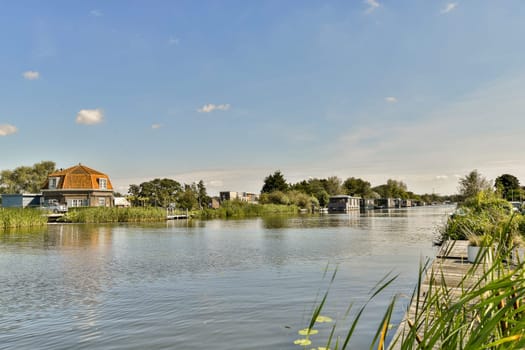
(21, 218)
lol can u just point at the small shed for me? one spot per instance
(21, 200)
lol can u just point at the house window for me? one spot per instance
(53, 182)
(102, 184)
(78, 203)
(102, 202)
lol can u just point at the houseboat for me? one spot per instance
(343, 203)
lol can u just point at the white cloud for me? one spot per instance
(31, 75)
(441, 177)
(173, 41)
(372, 5)
(7, 129)
(391, 99)
(90, 116)
(210, 107)
(96, 13)
(156, 126)
(451, 6)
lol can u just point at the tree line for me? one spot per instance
(276, 190)
(318, 191)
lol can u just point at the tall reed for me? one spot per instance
(21, 217)
(485, 310)
(107, 215)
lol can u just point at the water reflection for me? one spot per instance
(175, 283)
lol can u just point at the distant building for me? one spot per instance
(25, 200)
(215, 203)
(228, 196)
(121, 202)
(79, 186)
(242, 196)
(343, 203)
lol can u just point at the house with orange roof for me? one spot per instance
(78, 186)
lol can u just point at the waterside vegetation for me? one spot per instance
(18, 218)
(482, 309)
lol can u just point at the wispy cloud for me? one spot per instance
(372, 5)
(173, 41)
(156, 126)
(451, 6)
(31, 75)
(7, 129)
(96, 13)
(210, 107)
(90, 116)
(391, 99)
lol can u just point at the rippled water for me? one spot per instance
(246, 284)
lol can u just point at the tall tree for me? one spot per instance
(157, 192)
(202, 196)
(274, 182)
(472, 184)
(26, 179)
(509, 186)
(332, 185)
(392, 189)
(357, 187)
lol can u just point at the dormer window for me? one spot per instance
(53, 183)
(102, 184)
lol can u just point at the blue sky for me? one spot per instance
(230, 91)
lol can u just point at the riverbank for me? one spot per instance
(19, 218)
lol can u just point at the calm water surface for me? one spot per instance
(247, 284)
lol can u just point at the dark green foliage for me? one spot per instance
(509, 187)
(357, 187)
(479, 215)
(472, 184)
(169, 193)
(26, 179)
(392, 189)
(274, 182)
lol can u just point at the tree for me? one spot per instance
(157, 192)
(392, 189)
(202, 196)
(26, 179)
(332, 185)
(274, 182)
(472, 184)
(509, 187)
(357, 187)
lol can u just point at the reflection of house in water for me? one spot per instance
(367, 203)
(343, 203)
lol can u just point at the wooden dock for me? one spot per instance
(449, 269)
(177, 217)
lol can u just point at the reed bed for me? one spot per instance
(238, 209)
(486, 310)
(108, 215)
(20, 218)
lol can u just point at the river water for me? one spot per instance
(222, 284)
